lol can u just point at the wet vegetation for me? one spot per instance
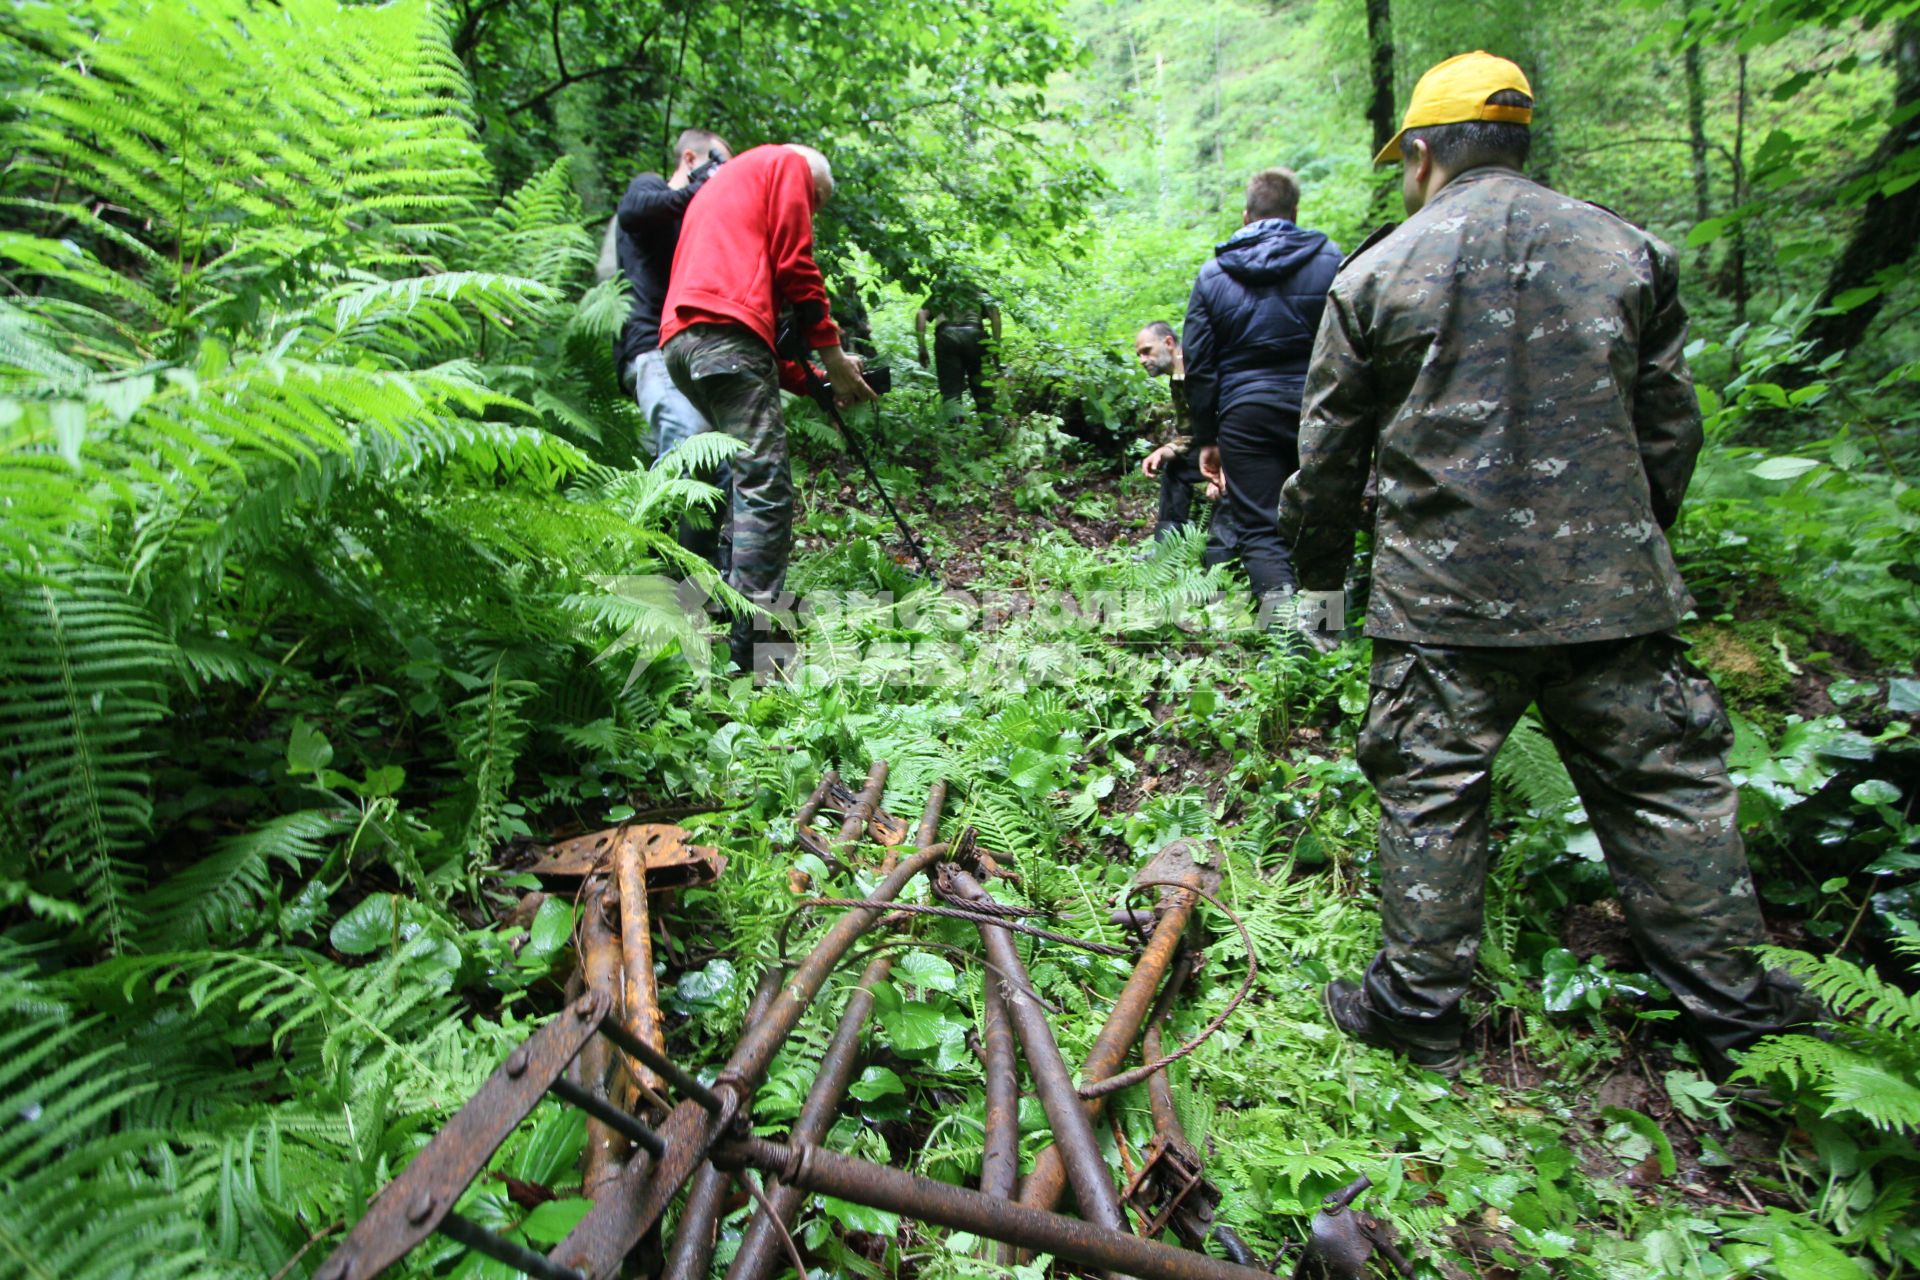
(325, 565)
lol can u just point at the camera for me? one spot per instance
(879, 377)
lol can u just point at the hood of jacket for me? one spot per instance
(1268, 251)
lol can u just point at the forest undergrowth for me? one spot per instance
(333, 585)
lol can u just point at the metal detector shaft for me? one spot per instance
(823, 396)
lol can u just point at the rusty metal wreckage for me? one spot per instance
(606, 1055)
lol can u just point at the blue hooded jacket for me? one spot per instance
(1252, 318)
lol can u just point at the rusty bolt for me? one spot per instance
(421, 1208)
(583, 1008)
(517, 1062)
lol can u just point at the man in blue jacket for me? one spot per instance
(1249, 335)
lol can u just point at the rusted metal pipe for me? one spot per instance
(606, 1149)
(854, 823)
(692, 1253)
(963, 1209)
(1000, 1150)
(634, 1202)
(1048, 1179)
(811, 805)
(1072, 1132)
(640, 997)
(762, 1249)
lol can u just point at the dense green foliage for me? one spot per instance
(330, 580)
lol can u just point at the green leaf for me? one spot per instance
(368, 927)
(308, 750)
(551, 930)
(1783, 468)
(876, 1082)
(550, 1223)
(1707, 232)
(918, 969)
(1903, 695)
(1644, 1126)
(1875, 791)
(706, 988)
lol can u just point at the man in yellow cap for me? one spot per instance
(1511, 362)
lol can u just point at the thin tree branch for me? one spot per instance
(468, 35)
(634, 61)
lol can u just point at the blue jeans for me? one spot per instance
(671, 419)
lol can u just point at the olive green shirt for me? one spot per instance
(1512, 360)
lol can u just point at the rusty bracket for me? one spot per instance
(420, 1201)
(881, 825)
(1344, 1239)
(670, 861)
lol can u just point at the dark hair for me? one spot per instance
(698, 141)
(1455, 147)
(1273, 193)
(1160, 329)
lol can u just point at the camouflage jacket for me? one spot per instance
(1511, 360)
(1170, 424)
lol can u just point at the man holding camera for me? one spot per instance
(645, 231)
(746, 249)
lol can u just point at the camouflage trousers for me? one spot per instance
(729, 375)
(1644, 735)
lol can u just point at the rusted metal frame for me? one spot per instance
(811, 805)
(761, 1248)
(825, 1172)
(1072, 1132)
(858, 813)
(477, 1238)
(1046, 1182)
(415, 1205)
(692, 1252)
(670, 862)
(599, 948)
(1000, 1150)
(634, 1202)
(640, 1004)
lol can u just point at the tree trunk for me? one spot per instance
(1738, 261)
(1889, 225)
(1697, 136)
(1380, 43)
(1380, 103)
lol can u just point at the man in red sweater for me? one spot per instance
(746, 249)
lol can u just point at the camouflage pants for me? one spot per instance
(1644, 735)
(730, 376)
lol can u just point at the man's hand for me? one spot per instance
(1210, 464)
(923, 357)
(1160, 457)
(843, 371)
(1321, 616)
(1216, 490)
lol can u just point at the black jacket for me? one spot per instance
(646, 232)
(1251, 320)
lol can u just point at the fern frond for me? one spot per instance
(1529, 766)
(82, 674)
(222, 897)
(1851, 990)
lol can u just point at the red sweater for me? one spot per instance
(746, 247)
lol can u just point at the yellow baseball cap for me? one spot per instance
(1457, 90)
